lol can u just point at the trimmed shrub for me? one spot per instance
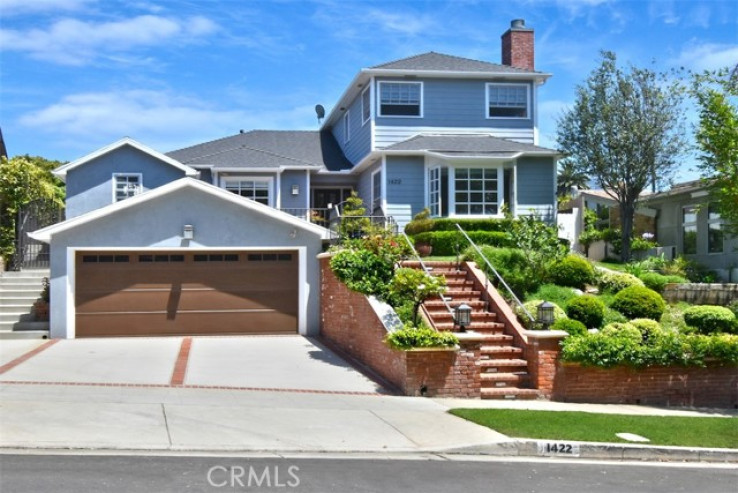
(653, 280)
(586, 309)
(571, 326)
(511, 264)
(444, 242)
(363, 271)
(612, 316)
(559, 295)
(445, 224)
(733, 307)
(676, 280)
(639, 302)
(617, 281)
(650, 329)
(573, 271)
(413, 337)
(624, 330)
(421, 223)
(708, 319)
(532, 307)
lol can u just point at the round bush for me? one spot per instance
(532, 307)
(586, 309)
(573, 271)
(571, 326)
(650, 329)
(653, 280)
(708, 319)
(617, 281)
(625, 331)
(639, 302)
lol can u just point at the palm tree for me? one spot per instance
(569, 176)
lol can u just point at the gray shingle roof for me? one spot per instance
(467, 144)
(267, 149)
(447, 63)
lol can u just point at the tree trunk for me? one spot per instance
(627, 213)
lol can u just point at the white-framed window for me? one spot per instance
(257, 189)
(346, 127)
(508, 100)
(126, 185)
(477, 191)
(401, 99)
(715, 233)
(689, 230)
(366, 106)
(434, 191)
(376, 191)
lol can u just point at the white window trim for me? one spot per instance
(452, 191)
(346, 126)
(527, 98)
(379, 98)
(429, 203)
(269, 179)
(364, 108)
(691, 223)
(376, 199)
(120, 175)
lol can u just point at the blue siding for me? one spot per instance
(359, 144)
(364, 186)
(405, 187)
(536, 186)
(90, 186)
(456, 103)
(300, 201)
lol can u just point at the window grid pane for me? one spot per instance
(251, 189)
(476, 191)
(399, 99)
(508, 101)
(126, 186)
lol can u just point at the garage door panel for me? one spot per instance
(254, 292)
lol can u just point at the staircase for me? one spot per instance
(503, 371)
(18, 292)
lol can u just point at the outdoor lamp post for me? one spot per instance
(462, 316)
(546, 314)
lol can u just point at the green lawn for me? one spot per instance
(611, 265)
(590, 427)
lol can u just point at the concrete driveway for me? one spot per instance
(237, 362)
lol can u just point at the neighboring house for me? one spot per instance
(456, 135)
(690, 223)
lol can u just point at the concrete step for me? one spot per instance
(509, 393)
(25, 334)
(16, 308)
(16, 316)
(18, 299)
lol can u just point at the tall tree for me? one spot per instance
(625, 130)
(717, 140)
(569, 177)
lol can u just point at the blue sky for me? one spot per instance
(79, 74)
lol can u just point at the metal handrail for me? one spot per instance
(426, 270)
(494, 271)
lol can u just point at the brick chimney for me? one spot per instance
(517, 46)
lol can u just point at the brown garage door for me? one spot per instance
(177, 293)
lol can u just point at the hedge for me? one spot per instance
(498, 225)
(444, 242)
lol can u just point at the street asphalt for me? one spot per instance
(254, 394)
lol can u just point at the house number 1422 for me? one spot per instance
(395, 181)
(554, 448)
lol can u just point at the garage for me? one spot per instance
(186, 292)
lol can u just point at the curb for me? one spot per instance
(601, 451)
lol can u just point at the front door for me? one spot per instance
(324, 199)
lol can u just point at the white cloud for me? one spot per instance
(160, 119)
(707, 56)
(75, 42)
(17, 7)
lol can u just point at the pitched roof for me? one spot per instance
(448, 63)
(62, 170)
(45, 234)
(267, 149)
(468, 145)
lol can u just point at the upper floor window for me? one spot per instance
(258, 189)
(508, 101)
(126, 185)
(346, 127)
(689, 230)
(400, 98)
(714, 230)
(366, 106)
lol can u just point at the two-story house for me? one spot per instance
(221, 237)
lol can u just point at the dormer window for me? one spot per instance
(508, 101)
(126, 185)
(401, 99)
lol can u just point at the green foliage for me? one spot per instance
(734, 308)
(414, 286)
(570, 177)
(625, 130)
(538, 242)
(617, 281)
(639, 302)
(649, 328)
(446, 224)
(421, 223)
(511, 264)
(532, 307)
(590, 234)
(423, 337)
(354, 223)
(586, 309)
(573, 271)
(363, 270)
(571, 326)
(24, 179)
(445, 242)
(638, 244)
(612, 316)
(653, 280)
(559, 295)
(708, 319)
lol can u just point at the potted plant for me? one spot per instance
(41, 306)
(421, 223)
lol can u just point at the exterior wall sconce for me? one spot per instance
(462, 316)
(546, 314)
(295, 189)
(188, 232)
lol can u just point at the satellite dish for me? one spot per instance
(320, 111)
